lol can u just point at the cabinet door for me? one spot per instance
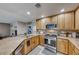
(37, 40)
(44, 22)
(47, 21)
(24, 50)
(41, 39)
(38, 24)
(62, 45)
(54, 20)
(69, 20)
(76, 51)
(61, 21)
(71, 49)
(28, 43)
(77, 19)
(33, 42)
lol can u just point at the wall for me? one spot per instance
(21, 28)
(4, 29)
(33, 25)
(13, 27)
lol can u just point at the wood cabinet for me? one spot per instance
(76, 51)
(69, 20)
(24, 50)
(67, 47)
(62, 45)
(41, 40)
(54, 20)
(27, 47)
(30, 44)
(77, 19)
(66, 21)
(71, 49)
(41, 24)
(44, 22)
(61, 21)
(33, 42)
(47, 20)
(38, 24)
(37, 40)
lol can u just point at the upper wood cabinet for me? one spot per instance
(77, 19)
(66, 21)
(54, 20)
(38, 24)
(61, 21)
(69, 20)
(41, 24)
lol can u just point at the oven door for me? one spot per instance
(53, 43)
(46, 41)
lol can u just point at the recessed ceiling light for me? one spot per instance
(42, 16)
(28, 13)
(62, 10)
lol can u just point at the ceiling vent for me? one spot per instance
(37, 5)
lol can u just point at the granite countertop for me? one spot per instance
(75, 41)
(8, 45)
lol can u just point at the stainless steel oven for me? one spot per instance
(50, 42)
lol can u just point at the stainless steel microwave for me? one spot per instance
(51, 26)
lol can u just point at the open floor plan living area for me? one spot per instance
(39, 28)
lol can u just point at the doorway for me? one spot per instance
(15, 32)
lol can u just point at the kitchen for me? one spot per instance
(39, 29)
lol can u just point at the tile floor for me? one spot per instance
(40, 50)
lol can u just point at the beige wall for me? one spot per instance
(4, 29)
(21, 28)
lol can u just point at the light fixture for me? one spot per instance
(42, 16)
(62, 10)
(28, 13)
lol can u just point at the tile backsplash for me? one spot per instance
(68, 34)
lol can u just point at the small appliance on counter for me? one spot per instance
(77, 34)
(62, 34)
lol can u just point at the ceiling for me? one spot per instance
(10, 12)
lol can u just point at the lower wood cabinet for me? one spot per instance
(41, 39)
(23, 50)
(33, 43)
(76, 51)
(37, 40)
(71, 49)
(67, 47)
(30, 44)
(62, 45)
(27, 47)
